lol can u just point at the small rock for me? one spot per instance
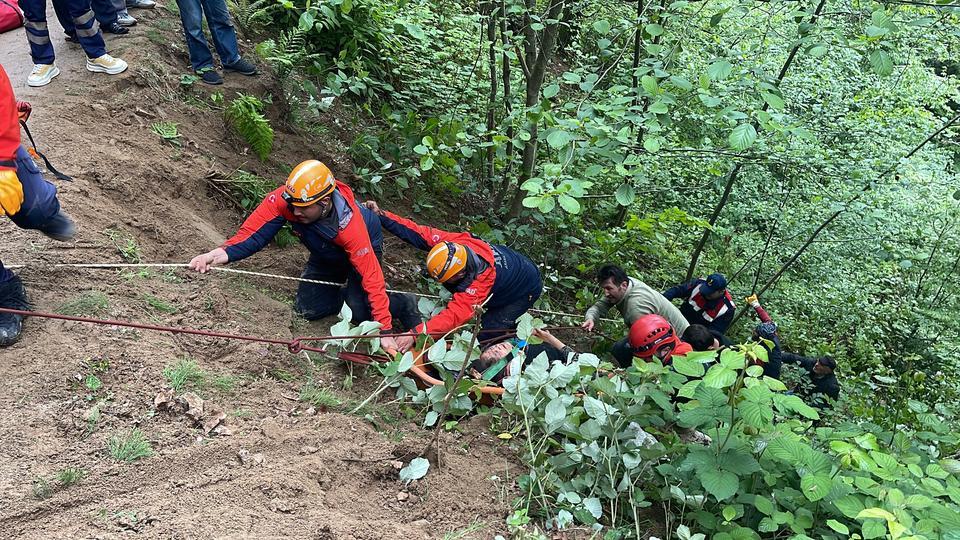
(310, 412)
(248, 459)
(270, 428)
(223, 430)
(403, 496)
(309, 450)
(396, 465)
(164, 400)
(213, 421)
(194, 405)
(280, 505)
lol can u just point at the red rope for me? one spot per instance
(294, 345)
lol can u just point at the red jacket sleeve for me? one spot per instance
(259, 228)
(460, 308)
(355, 241)
(9, 125)
(762, 313)
(418, 236)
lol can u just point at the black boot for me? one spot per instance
(60, 228)
(12, 295)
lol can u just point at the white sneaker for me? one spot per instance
(106, 64)
(125, 19)
(42, 74)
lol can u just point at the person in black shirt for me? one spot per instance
(822, 380)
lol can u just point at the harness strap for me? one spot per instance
(46, 161)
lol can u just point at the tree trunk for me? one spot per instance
(534, 71)
(491, 26)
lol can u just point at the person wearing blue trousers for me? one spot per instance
(224, 37)
(29, 200)
(105, 11)
(87, 32)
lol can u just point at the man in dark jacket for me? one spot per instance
(821, 380)
(706, 302)
(478, 273)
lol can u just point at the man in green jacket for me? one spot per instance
(633, 299)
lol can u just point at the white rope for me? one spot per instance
(262, 274)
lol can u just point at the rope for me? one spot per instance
(267, 275)
(294, 345)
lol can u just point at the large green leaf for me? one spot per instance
(688, 367)
(720, 377)
(559, 138)
(881, 62)
(719, 69)
(625, 195)
(742, 137)
(569, 204)
(720, 484)
(815, 486)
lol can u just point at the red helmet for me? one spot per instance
(651, 334)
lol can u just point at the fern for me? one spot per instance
(287, 53)
(246, 118)
(251, 16)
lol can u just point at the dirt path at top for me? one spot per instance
(286, 466)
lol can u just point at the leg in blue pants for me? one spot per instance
(104, 11)
(41, 211)
(499, 320)
(315, 301)
(87, 29)
(221, 29)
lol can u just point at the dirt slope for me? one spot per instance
(288, 468)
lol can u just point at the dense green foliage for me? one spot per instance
(793, 146)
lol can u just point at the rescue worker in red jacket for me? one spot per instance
(706, 301)
(652, 336)
(505, 282)
(29, 200)
(344, 240)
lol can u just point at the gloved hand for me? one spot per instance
(752, 300)
(23, 110)
(11, 192)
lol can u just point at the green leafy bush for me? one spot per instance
(600, 445)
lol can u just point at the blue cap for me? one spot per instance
(714, 283)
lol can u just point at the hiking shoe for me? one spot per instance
(141, 4)
(42, 74)
(242, 67)
(210, 76)
(61, 228)
(12, 296)
(114, 28)
(124, 19)
(106, 64)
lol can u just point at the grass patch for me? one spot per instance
(93, 383)
(225, 383)
(159, 304)
(280, 374)
(93, 420)
(130, 446)
(184, 373)
(319, 397)
(71, 476)
(42, 489)
(466, 532)
(126, 245)
(88, 303)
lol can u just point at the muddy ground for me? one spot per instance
(279, 465)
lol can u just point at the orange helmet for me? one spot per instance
(308, 182)
(445, 260)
